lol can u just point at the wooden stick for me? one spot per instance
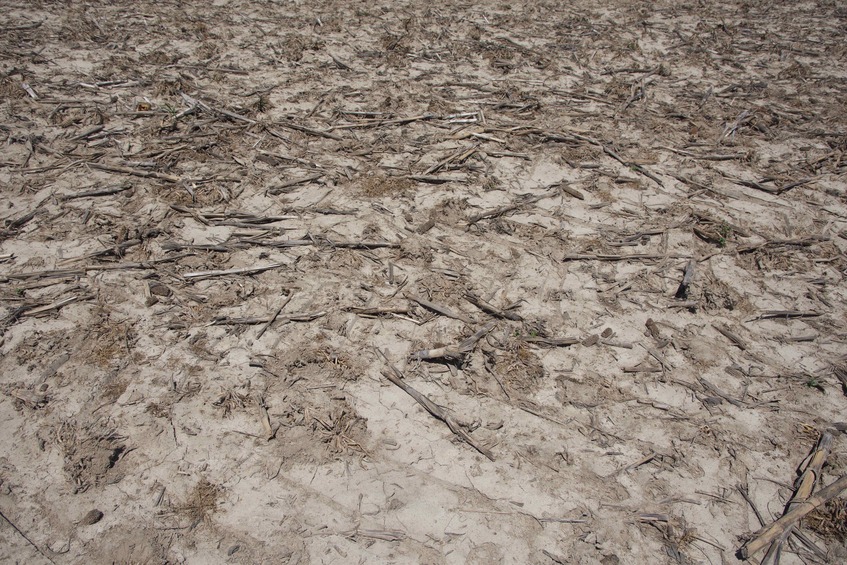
(642, 368)
(88, 132)
(737, 341)
(644, 460)
(193, 103)
(766, 536)
(299, 317)
(687, 277)
(772, 190)
(273, 318)
(572, 191)
(715, 391)
(449, 353)
(174, 246)
(787, 314)
(135, 172)
(199, 275)
(440, 412)
(438, 308)
(633, 257)
(804, 539)
(56, 305)
(116, 250)
(804, 485)
(384, 535)
(432, 179)
(489, 309)
(98, 192)
(52, 273)
(362, 244)
(264, 418)
(805, 242)
(637, 168)
(378, 310)
(552, 341)
(289, 185)
(459, 156)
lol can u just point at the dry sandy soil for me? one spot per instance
(399, 282)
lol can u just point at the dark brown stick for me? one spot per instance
(23, 535)
(687, 277)
(737, 341)
(98, 192)
(489, 309)
(274, 317)
(438, 308)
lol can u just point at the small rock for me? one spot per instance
(159, 289)
(591, 340)
(92, 517)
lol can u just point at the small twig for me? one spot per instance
(804, 242)
(199, 275)
(688, 276)
(289, 185)
(489, 309)
(23, 535)
(56, 305)
(440, 412)
(384, 535)
(98, 192)
(737, 341)
(438, 308)
(378, 310)
(299, 317)
(715, 391)
(273, 318)
(432, 179)
(644, 460)
(633, 257)
(553, 341)
(787, 314)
